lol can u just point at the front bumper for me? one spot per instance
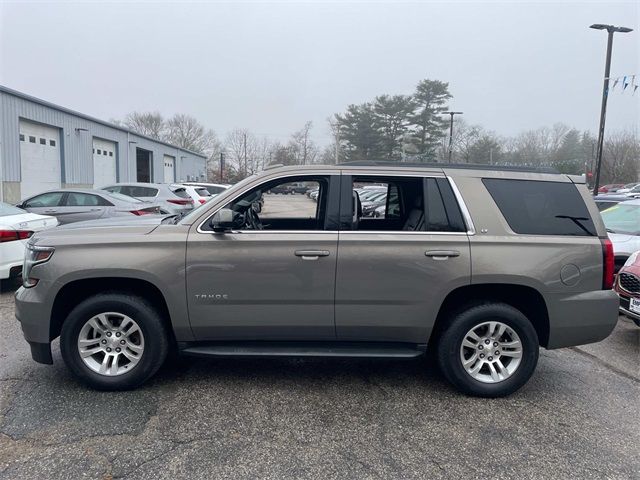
(624, 309)
(34, 317)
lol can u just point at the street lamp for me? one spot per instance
(605, 93)
(451, 130)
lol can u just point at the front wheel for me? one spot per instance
(114, 341)
(488, 350)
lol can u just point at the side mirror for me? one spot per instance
(222, 221)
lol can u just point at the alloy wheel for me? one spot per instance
(111, 343)
(491, 352)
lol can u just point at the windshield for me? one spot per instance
(6, 210)
(195, 213)
(622, 218)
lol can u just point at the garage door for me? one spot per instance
(104, 162)
(169, 169)
(39, 158)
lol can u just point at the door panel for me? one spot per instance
(104, 162)
(79, 207)
(40, 163)
(258, 285)
(390, 285)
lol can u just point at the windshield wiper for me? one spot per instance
(577, 221)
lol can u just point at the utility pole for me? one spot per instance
(605, 94)
(221, 167)
(451, 114)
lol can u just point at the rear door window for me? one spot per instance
(137, 191)
(180, 192)
(534, 207)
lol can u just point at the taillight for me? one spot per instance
(608, 264)
(202, 201)
(181, 201)
(14, 235)
(141, 212)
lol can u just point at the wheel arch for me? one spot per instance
(74, 292)
(524, 298)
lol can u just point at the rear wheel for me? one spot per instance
(114, 341)
(488, 350)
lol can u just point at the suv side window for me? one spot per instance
(405, 204)
(275, 205)
(541, 208)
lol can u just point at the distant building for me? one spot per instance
(44, 146)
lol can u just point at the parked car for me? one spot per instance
(483, 266)
(369, 206)
(627, 286)
(16, 227)
(212, 188)
(312, 191)
(633, 192)
(172, 198)
(298, 188)
(622, 222)
(626, 188)
(610, 188)
(200, 195)
(79, 205)
(606, 201)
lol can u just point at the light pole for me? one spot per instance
(605, 94)
(451, 131)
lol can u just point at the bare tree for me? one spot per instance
(305, 149)
(187, 132)
(150, 124)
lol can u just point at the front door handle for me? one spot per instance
(50, 211)
(442, 254)
(311, 254)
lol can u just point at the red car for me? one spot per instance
(610, 188)
(627, 285)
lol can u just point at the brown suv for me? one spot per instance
(482, 265)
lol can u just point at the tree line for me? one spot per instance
(398, 128)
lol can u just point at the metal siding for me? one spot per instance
(76, 146)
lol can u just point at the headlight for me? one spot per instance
(33, 255)
(632, 259)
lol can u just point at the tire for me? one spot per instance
(152, 335)
(493, 380)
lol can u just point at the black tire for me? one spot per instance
(153, 327)
(450, 342)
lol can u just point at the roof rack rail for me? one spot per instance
(467, 166)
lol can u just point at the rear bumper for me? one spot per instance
(581, 318)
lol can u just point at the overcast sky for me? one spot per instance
(270, 67)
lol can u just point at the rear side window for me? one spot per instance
(203, 192)
(181, 192)
(136, 191)
(541, 208)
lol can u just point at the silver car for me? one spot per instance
(79, 205)
(172, 198)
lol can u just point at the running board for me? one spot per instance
(304, 349)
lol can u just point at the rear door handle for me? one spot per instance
(442, 254)
(50, 211)
(311, 254)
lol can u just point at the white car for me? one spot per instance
(213, 188)
(200, 195)
(16, 227)
(623, 227)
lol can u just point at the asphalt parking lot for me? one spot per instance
(577, 418)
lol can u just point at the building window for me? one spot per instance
(22, 137)
(32, 139)
(43, 141)
(111, 154)
(104, 153)
(52, 143)
(99, 152)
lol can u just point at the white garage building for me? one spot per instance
(44, 146)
